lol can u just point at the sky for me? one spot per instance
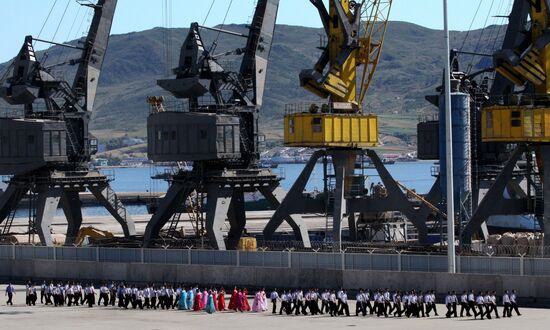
(19, 18)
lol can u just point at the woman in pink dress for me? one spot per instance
(204, 301)
(263, 300)
(257, 302)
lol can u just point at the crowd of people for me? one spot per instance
(382, 302)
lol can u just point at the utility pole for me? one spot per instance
(449, 149)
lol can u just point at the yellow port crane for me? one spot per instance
(339, 128)
(524, 117)
(355, 33)
(521, 116)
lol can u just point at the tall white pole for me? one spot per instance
(449, 149)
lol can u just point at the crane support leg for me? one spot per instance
(344, 165)
(217, 208)
(108, 199)
(10, 199)
(399, 197)
(493, 202)
(275, 197)
(237, 219)
(295, 202)
(48, 200)
(70, 202)
(175, 197)
(545, 154)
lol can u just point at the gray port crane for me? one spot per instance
(220, 137)
(46, 150)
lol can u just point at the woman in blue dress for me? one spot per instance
(190, 299)
(182, 303)
(210, 307)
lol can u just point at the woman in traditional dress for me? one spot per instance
(221, 300)
(215, 298)
(210, 307)
(256, 304)
(246, 305)
(234, 301)
(204, 302)
(198, 302)
(190, 298)
(263, 301)
(182, 302)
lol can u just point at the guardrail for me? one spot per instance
(399, 262)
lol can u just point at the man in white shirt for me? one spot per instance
(325, 305)
(333, 300)
(472, 303)
(360, 306)
(413, 304)
(380, 305)
(464, 304)
(127, 296)
(480, 303)
(139, 299)
(514, 303)
(493, 303)
(70, 295)
(103, 295)
(274, 296)
(487, 303)
(284, 306)
(345, 306)
(397, 304)
(507, 312)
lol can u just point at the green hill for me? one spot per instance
(411, 67)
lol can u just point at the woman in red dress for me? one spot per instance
(221, 300)
(198, 302)
(245, 304)
(234, 301)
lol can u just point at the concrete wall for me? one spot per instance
(535, 287)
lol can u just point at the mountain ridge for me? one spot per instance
(410, 67)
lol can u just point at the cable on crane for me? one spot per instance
(509, 9)
(471, 25)
(470, 66)
(47, 18)
(61, 20)
(215, 43)
(490, 39)
(68, 38)
(45, 56)
(208, 13)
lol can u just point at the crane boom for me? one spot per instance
(93, 55)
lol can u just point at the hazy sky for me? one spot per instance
(26, 17)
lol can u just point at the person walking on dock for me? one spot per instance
(10, 292)
(507, 312)
(513, 301)
(274, 297)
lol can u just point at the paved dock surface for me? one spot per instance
(83, 318)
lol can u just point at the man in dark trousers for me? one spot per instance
(10, 292)
(514, 303)
(274, 297)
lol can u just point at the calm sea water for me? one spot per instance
(415, 175)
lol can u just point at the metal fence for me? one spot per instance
(284, 259)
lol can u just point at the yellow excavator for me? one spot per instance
(91, 232)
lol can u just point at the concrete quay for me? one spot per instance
(60, 318)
